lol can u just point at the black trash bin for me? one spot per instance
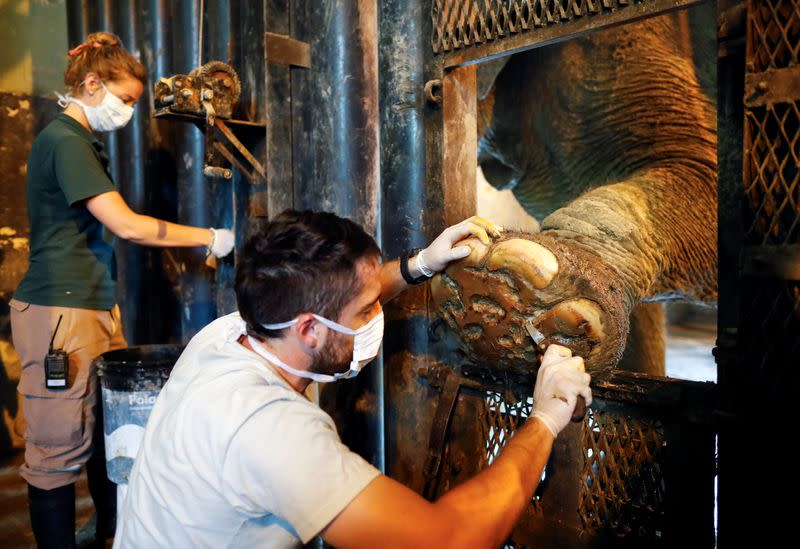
(130, 380)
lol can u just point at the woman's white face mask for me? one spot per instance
(111, 114)
(366, 344)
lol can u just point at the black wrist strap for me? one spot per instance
(404, 270)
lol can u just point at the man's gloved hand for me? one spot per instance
(222, 241)
(435, 257)
(560, 380)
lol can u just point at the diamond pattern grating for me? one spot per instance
(461, 23)
(622, 488)
(772, 174)
(773, 33)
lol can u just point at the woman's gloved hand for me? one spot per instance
(435, 257)
(222, 241)
(561, 378)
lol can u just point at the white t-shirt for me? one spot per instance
(234, 457)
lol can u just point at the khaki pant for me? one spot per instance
(60, 424)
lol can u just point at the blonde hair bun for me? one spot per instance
(101, 53)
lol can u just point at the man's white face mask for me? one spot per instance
(111, 114)
(366, 344)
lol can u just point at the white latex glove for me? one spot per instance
(435, 257)
(222, 241)
(560, 380)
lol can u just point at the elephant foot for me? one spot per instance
(568, 293)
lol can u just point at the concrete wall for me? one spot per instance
(32, 62)
(33, 56)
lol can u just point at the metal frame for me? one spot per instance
(212, 145)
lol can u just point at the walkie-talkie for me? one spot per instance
(56, 365)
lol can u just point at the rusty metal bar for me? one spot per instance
(401, 57)
(78, 21)
(284, 50)
(131, 144)
(441, 423)
(731, 374)
(239, 147)
(693, 400)
(165, 113)
(228, 155)
(460, 105)
(577, 21)
(771, 86)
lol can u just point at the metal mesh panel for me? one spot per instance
(501, 419)
(638, 471)
(461, 23)
(773, 34)
(770, 337)
(772, 173)
(623, 485)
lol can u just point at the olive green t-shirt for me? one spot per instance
(72, 261)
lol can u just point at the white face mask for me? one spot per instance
(111, 114)
(366, 344)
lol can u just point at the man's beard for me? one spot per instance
(333, 358)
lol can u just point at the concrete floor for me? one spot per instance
(691, 335)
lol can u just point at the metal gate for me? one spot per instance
(637, 472)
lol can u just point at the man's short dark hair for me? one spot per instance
(300, 262)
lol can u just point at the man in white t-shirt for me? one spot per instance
(236, 455)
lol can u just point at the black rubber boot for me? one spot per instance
(53, 516)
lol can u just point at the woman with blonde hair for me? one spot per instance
(70, 283)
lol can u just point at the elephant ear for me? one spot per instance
(487, 73)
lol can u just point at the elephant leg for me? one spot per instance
(657, 229)
(645, 349)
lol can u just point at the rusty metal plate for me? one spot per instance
(772, 86)
(284, 50)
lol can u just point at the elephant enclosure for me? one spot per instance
(657, 462)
